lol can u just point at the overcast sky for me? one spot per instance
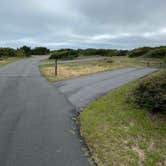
(121, 24)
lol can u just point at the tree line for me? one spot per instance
(151, 52)
(155, 52)
(23, 51)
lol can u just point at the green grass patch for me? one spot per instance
(119, 133)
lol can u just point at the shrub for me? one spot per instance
(102, 52)
(7, 52)
(40, 51)
(156, 53)
(139, 51)
(65, 54)
(122, 53)
(108, 60)
(20, 53)
(150, 93)
(60, 55)
(27, 50)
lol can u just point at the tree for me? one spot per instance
(40, 51)
(66, 54)
(7, 52)
(27, 50)
(20, 53)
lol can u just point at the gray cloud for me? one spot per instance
(80, 24)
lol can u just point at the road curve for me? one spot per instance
(80, 91)
(36, 127)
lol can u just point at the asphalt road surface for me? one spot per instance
(80, 91)
(36, 127)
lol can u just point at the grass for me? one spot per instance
(81, 57)
(10, 60)
(71, 70)
(118, 133)
(76, 69)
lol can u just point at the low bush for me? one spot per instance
(139, 51)
(122, 53)
(26, 50)
(40, 51)
(102, 52)
(20, 53)
(156, 53)
(108, 60)
(150, 93)
(7, 52)
(67, 54)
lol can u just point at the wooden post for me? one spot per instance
(56, 67)
(148, 64)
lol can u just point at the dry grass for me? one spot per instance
(71, 70)
(10, 60)
(2, 62)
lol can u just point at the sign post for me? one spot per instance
(56, 67)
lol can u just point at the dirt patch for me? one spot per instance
(140, 153)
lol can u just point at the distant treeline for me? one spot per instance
(71, 53)
(156, 52)
(149, 52)
(23, 51)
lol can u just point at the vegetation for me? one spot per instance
(8, 55)
(7, 52)
(71, 53)
(139, 51)
(22, 51)
(104, 52)
(148, 52)
(10, 60)
(156, 53)
(25, 50)
(56, 56)
(40, 51)
(70, 70)
(150, 93)
(65, 54)
(75, 69)
(120, 133)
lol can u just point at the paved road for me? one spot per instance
(80, 91)
(35, 120)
